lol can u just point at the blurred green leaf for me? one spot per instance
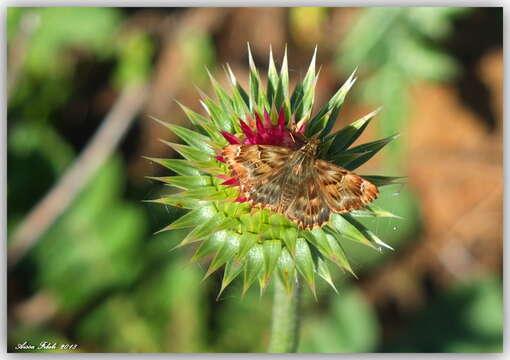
(242, 324)
(117, 326)
(422, 61)
(89, 28)
(101, 237)
(349, 326)
(13, 20)
(134, 51)
(469, 316)
(394, 47)
(197, 50)
(173, 302)
(26, 137)
(435, 22)
(32, 148)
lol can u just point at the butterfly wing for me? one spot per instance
(303, 189)
(261, 172)
(308, 208)
(343, 190)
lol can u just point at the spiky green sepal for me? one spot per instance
(254, 244)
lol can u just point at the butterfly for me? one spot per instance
(295, 183)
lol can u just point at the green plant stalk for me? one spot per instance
(285, 323)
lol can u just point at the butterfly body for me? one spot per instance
(295, 183)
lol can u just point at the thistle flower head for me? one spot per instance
(256, 243)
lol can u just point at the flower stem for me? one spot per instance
(285, 325)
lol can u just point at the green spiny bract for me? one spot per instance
(256, 244)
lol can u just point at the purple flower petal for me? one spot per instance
(232, 181)
(281, 120)
(220, 158)
(230, 138)
(250, 135)
(260, 126)
(267, 119)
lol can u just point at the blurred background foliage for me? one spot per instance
(100, 278)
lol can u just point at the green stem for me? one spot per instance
(285, 325)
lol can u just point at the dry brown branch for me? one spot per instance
(105, 140)
(18, 47)
(99, 148)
